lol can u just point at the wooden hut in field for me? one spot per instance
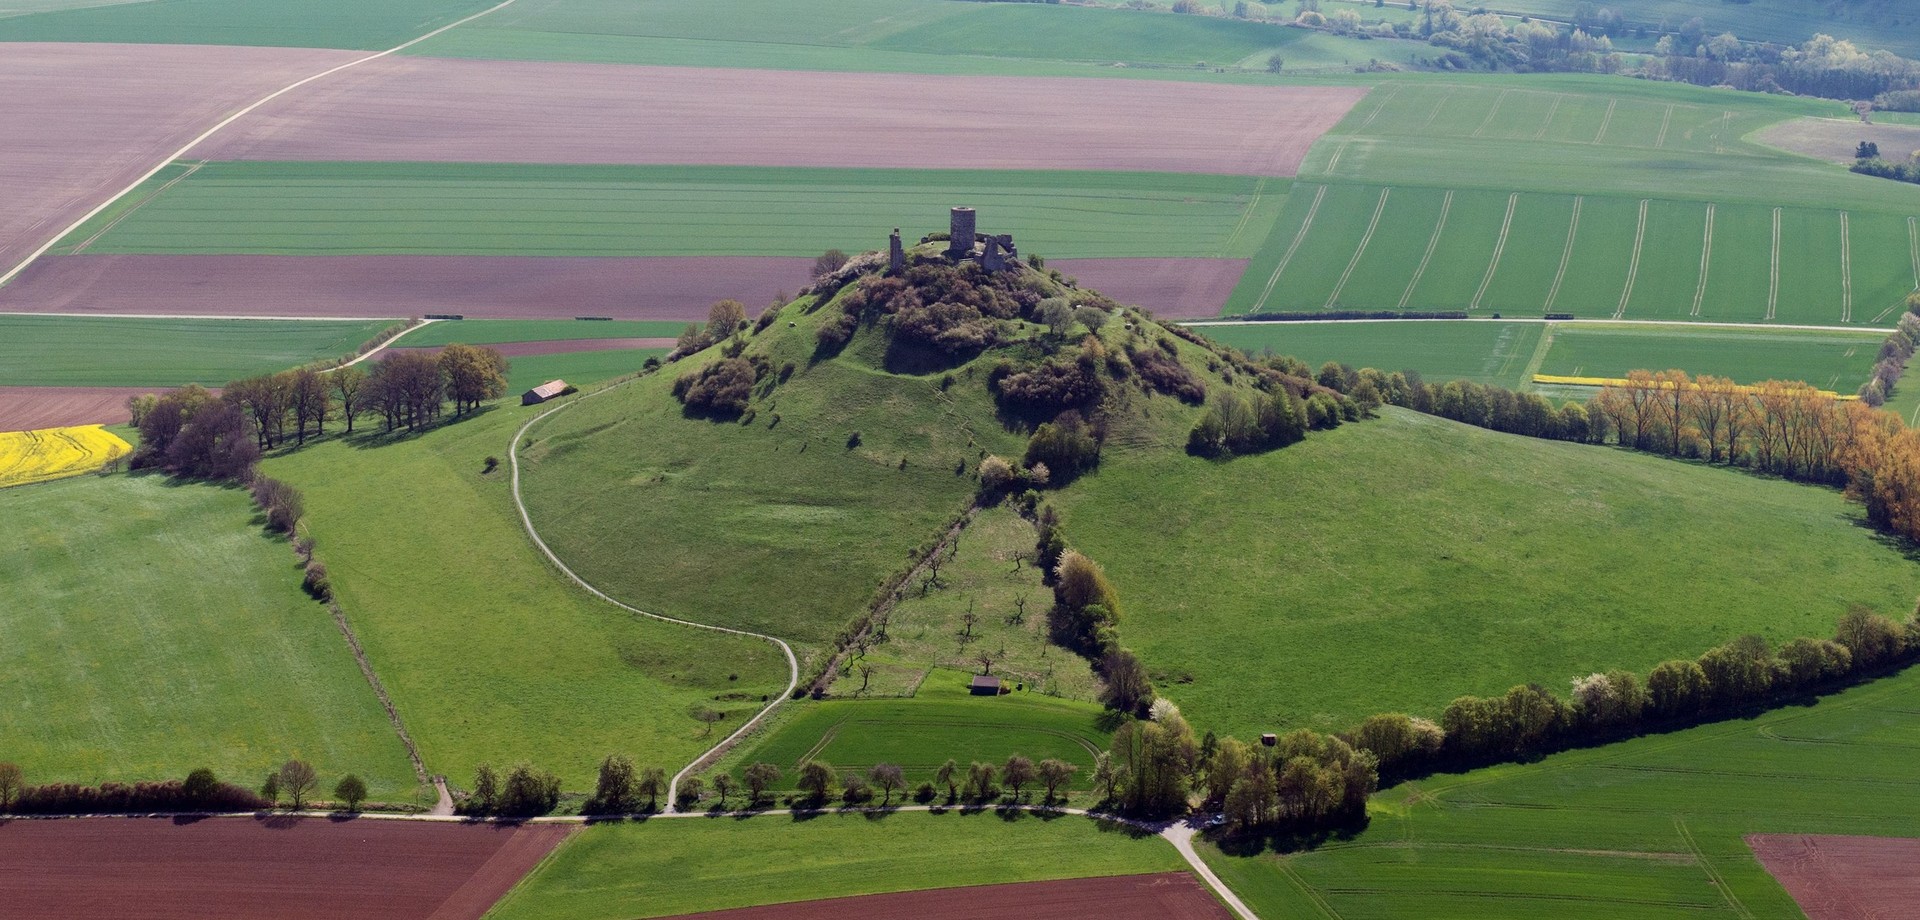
(985, 685)
(543, 392)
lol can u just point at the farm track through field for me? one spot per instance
(1633, 264)
(1846, 271)
(1552, 110)
(1377, 109)
(1499, 248)
(1566, 254)
(1360, 250)
(1605, 121)
(1720, 133)
(1492, 112)
(1433, 242)
(1665, 122)
(230, 119)
(1706, 261)
(109, 225)
(1292, 248)
(1773, 285)
(1913, 246)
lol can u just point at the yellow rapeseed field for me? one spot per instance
(53, 453)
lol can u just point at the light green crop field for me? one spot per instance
(942, 721)
(784, 524)
(154, 628)
(579, 368)
(497, 331)
(1395, 564)
(614, 871)
(360, 24)
(907, 36)
(483, 209)
(489, 655)
(114, 351)
(1487, 352)
(1650, 828)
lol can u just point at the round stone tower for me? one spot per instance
(963, 233)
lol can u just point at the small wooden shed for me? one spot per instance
(543, 392)
(985, 685)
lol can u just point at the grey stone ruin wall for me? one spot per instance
(896, 254)
(961, 245)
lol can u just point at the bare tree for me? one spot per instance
(1017, 773)
(297, 779)
(888, 776)
(866, 675)
(947, 776)
(707, 715)
(986, 661)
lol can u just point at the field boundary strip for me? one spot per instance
(1773, 284)
(1566, 254)
(1706, 263)
(1564, 380)
(526, 520)
(1499, 249)
(1846, 271)
(1360, 250)
(1633, 263)
(1433, 242)
(120, 218)
(1293, 247)
(74, 227)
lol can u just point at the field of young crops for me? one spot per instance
(360, 24)
(56, 453)
(102, 351)
(544, 210)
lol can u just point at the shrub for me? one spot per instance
(828, 262)
(352, 791)
(1870, 637)
(528, 793)
(719, 390)
(1165, 374)
(1046, 389)
(200, 792)
(995, 474)
(835, 332)
(1065, 448)
(316, 583)
(955, 328)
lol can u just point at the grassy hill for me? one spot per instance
(1399, 563)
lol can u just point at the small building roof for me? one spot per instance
(986, 682)
(549, 389)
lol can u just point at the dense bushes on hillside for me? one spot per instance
(1246, 426)
(1049, 387)
(1160, 369)
(720, 389)
(1067, 447)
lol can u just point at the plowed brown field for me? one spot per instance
(1844, 878)
(284, 868)
(83, 121)
(28, 408)
(406, 108)
(1164, 896)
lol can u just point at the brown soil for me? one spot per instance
(557, 347)
(1166, 896)
(1843, 878)
(409, 108)
(1835, 139)
(28, 408)
(495, 287)
(285, 868)
(83, 121)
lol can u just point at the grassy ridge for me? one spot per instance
(1646, 828)
(361, 24)
(120, 352)
(613, 871)
(1420, 560)
(481, 209)
(153, 628)
(488, 654)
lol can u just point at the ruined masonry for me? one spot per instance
(965, 243)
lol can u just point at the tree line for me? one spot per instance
(200, 791)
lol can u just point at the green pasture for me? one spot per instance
(682, 865)
(906, 36)
(1395, 564)
(488, 653)
(1838, 361)
(153, 627)
(133, 352)
(545, 210)
(1650, 828)
(941, 722)
(579, 368)
(1487, 352)
(360, 24)
(497, 331)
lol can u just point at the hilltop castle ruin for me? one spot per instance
(964, 244)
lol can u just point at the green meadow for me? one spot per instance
(616, 871)
(358, 24)
(497, 331)
(1486, 352)
(154, 627)
(1395, 564)
(544, 210)
(579, 368)
(130, 352)
(1649, 828)
(488, 653)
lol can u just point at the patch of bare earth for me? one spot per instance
(83, 121)
(516, 287)
(29, 408)
(1844, 878)
(409, 108)
(285, 868)
(1836, 139)
(1163, 896)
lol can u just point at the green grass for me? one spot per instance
(482, 209)
(579, 368)
(1642, 829)
(153, 628)
(1487, 352)
(107, 351)
(489, 655)
(1396, 564)
(717, 508)
(907, 36)
(615, 871)
(1838, 361)
(496, 331)
(361, 24)
(940, 722)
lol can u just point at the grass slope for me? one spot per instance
(1396, 564)
(580, 368)
(618, 871)
(153, 628)
(488, 654)
(554, 210)
(1649, 828)
(360, 24)
(103, 351)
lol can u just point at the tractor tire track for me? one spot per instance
(1566, 255)
(1706, 262)
(1292, 248)
(1773, 284)
(1360, 250)
(1633, 265)
(1499, 248)
(1433, 242)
